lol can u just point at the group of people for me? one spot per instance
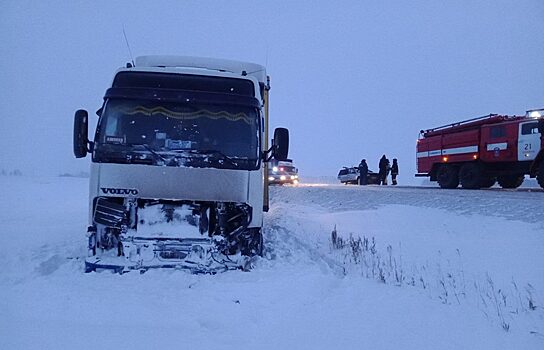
(385, 168)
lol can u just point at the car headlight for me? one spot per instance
(274, 169)
(270, 178)
(282, 178)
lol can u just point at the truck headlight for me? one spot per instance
(282, 178)
(293, 177)
(270, 178)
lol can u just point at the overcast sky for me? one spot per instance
(350, 79)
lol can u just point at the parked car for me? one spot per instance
(351, 176)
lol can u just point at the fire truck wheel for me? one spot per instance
(510, 181)
(488, 182)
(470, 176)
(447, 176)
(540, 176)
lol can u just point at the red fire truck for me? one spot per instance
(478, 152)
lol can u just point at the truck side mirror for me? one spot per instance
(281, 143)
(81, 138)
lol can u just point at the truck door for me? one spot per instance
(498, 143)
(528, 140)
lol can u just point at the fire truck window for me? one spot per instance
(498, 131)
(529, 128)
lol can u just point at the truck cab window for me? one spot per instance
(175, 130)
(529, 128)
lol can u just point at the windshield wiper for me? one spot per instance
(216, 152)
(151, 150)
(221, 155)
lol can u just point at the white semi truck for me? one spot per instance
(178, 165)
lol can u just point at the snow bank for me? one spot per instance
(303, 294)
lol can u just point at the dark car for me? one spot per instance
(351, 176)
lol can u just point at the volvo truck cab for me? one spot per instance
(177, 165)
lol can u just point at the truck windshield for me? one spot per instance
(173, 134)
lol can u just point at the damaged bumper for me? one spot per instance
(202, 237)
(197, 255)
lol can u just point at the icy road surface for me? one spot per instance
(434, 269)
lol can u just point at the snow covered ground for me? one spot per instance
(449, 269)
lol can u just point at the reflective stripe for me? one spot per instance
(448, 151)
(460, 150)
(422, 154)
(495, 146)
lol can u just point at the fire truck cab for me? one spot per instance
(479, 152)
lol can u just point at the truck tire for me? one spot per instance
(540, 176)
(259, 247)
(470, 176)
(253, 243)
(488, 182)
(447, 176)
(510, 181)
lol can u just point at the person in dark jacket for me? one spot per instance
(394, 171)
(384, 169)
(363, 172)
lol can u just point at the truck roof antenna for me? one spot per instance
(128, 47)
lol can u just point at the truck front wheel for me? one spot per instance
(253, 243)
(540, 176)
(470, 176)
(510, 181)
(447, 176)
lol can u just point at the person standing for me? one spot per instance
(363, 172)
(384, 169)
(394, 171)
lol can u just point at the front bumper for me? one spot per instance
(197, 255)
(283, 179)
